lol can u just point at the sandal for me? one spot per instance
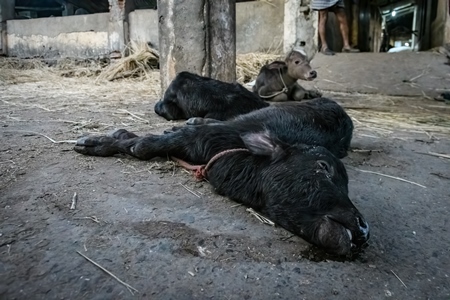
(350, 50)
(444, 97)
(327, 51)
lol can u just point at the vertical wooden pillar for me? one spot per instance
(7, 11)
(222, 39)
(118, 25)
(197, 36)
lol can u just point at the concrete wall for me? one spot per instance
(259, 26)
(144, 26)
(6, 13)
(72, 36)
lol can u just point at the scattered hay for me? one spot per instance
(388, 122)
(384, 115)
(21, 64)
(248, 65)
(139, 63)
(70, 67)
(15, 70)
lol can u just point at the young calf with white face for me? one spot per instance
(277, 81)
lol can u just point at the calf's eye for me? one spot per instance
(325, 166)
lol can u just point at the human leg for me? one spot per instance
(343, 26)
(323, 15)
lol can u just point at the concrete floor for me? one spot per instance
(398, 74)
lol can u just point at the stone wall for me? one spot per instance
(259, 28)
(58, 37)
(144, 26)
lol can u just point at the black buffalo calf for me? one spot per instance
(261, 160)
(190, 95)
(319, 121)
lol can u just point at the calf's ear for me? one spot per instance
(261, 143)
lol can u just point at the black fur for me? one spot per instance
(301, 187)
(190, 95)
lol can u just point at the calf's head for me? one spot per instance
(306, 193)
(298, 65)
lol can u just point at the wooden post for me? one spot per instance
(7, 11)
(222, 39)
(118, 25)
(198, 36)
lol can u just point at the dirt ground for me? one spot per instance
(170, 237)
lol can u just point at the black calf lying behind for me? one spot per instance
(190, 95)
(302, 188)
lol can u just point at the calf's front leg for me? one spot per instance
(120, 141)
(299, 93)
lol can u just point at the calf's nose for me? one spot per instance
(312, 74)
(363, 227)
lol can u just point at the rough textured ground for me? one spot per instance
(140, 221)
(401, 74)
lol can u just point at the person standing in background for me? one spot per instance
(336, 6)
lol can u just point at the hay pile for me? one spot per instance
(20, 64)
(248, 65)
(143, 60)
(70, 67)
(138, 64)
(14, 70)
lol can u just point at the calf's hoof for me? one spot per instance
(96, 145)
(121, 134)
(313, 94)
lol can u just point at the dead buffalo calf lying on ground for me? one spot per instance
(277, 81)
(261, 160)
(190, 95)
